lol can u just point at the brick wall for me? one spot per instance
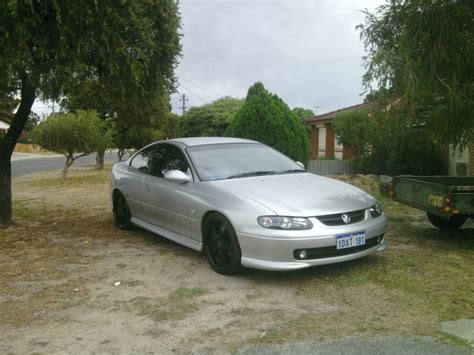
(314, 142)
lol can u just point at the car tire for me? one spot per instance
(122, 214)
(221, 246)
(449, 223)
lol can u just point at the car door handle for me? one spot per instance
(147, 188)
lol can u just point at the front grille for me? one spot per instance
(332, 251)
(336, 219)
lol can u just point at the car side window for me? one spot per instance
(167, 157)
(140, 161)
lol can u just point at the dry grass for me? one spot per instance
(61, 258)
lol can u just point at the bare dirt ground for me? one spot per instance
(71, 282)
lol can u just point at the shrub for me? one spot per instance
(264, 117)
(209, 120)
(387, 143)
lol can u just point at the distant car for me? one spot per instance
(244, 204)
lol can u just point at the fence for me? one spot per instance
(330, 167)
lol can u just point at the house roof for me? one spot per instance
(326, 117)
(4, 126)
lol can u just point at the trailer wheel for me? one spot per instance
(446, 223)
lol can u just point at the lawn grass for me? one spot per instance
(425, 277)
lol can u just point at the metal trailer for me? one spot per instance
(448, 201)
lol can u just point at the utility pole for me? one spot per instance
(183, 99)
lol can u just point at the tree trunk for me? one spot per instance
(67, 165)
(121, 153)
(99, 160)
(5, 189)
(7, 145)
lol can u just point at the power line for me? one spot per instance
(193, 93)
(200, 87)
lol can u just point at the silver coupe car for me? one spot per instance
(245, 205)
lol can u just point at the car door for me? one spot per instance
(132, 184)
(171, 202)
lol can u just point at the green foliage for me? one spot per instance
(130, 49)
(355, 129)
(264, 117)
(209, 120)
(129, 46)
(71, 133)
(303, 113)
(423, 52)
(387, 143)
(162, 126)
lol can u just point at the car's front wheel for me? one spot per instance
(449, 223)
(122, 214)
(221, 245)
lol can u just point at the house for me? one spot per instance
(325, 145)
(323, 142)
(458, 163)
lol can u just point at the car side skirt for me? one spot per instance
(190, 243)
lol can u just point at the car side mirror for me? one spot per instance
(177, 175)
(300, 164)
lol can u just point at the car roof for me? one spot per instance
(194, 141)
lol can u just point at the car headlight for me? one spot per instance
(376, 210)
(288, 223)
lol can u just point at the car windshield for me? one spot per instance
(239, 160)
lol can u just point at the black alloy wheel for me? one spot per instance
(122, 215)
(221, 245)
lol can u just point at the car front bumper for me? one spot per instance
(277, 253)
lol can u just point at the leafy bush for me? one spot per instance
(210, 120)
(387, 143)
(264, 117)
(355, 129)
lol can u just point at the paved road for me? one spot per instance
(28, 166)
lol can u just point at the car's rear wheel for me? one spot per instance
(122, 214)
(449, 223)
(221, 245)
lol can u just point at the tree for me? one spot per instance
(136, 137)
(422, 54)
(153, 121)
(145, 115)
(72, 134)
(209, 120)
(385, 142)
(303, 113)
(355, 129)
(130, 48)
(266, 118)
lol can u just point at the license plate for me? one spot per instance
(350, 240)
(436, 200)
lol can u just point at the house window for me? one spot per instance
(322, 142)
(338, 149)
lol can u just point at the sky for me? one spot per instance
(308, 52)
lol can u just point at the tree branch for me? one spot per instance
(79, 156)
